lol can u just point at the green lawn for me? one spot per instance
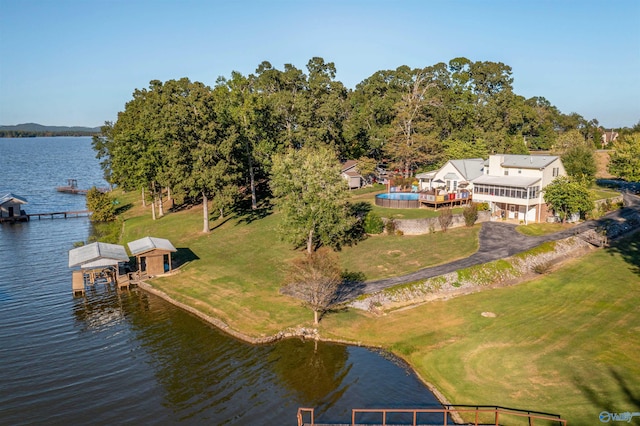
(537, 229)
(236, 271)
(602, 192)
(565, 343)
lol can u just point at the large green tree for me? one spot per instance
(310, 193)
(625, 159)
(567, 196)
(580, 163)
(411, 143)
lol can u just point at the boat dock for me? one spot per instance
(61, 215)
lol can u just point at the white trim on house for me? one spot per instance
(513, 185)
(452, 175)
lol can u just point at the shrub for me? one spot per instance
(373, 224)
(445, 219)
(470, 214)
(390, 227)
(101, 204)
(482, 207)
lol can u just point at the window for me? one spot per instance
(506, 172)
(519, 171)
(555, 171)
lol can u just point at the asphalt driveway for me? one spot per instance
(497, 241)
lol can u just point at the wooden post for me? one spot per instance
(77, 282)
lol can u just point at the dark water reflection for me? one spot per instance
(131, 358)
(205, 375)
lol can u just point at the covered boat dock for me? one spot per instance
(98, 262)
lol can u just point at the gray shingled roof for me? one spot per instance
(528, 161)
(469, 168)
(97, 254)
(8, 197)
(150, 243)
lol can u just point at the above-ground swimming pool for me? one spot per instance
(398, 200)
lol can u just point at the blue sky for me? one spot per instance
(73, 62)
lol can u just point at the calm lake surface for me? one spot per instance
(131, 358)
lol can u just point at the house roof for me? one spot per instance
(469, 168)
(527, 161)
(12, 197)
(150, 243)
(510, 181)
(352, 173)
(427, 175)
(97, 254)
(349, 164)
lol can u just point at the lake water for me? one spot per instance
(131, 358)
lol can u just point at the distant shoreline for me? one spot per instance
(27, 135)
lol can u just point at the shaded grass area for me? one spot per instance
(565, 343)
(235, 272)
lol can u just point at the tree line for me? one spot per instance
(215, 145)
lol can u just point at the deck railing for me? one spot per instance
(482, 415)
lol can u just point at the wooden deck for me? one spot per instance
(435, 201)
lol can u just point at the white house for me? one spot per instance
(454, 175)
(351, 175)
(512, 185)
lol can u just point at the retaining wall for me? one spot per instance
(432, 224)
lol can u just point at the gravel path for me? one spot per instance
(497, 241)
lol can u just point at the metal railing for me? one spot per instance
(482, 415)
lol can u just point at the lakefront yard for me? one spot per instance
(563, 343)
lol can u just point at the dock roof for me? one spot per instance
(12, 197)
(97, 254)
(150, 243)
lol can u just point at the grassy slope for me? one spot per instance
(241, 264)
(564, 343)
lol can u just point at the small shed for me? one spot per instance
(153, 255)
(97, 260)
(11, 207)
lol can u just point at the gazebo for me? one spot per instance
(153, 255)
(97, 261)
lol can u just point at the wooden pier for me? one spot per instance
(61, 215)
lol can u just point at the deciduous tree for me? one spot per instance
(625, 160)
(567, 196)
(101, 206)
(310, 193)
(315, 279)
